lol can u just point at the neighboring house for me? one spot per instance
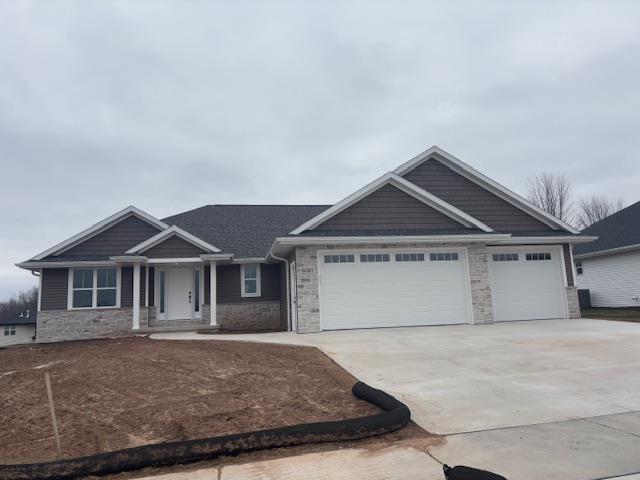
(433, 242)
(18, 330)
(610, 266)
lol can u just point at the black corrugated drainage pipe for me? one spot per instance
(395, 416)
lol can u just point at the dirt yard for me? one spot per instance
(113, 394)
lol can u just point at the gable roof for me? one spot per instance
(409, 188)
(617, 232)
(100, 227)
(485, 182)
(173, 231)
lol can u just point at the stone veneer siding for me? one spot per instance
(249, 316)
(308, 286)
(572, 302)
(64, 325)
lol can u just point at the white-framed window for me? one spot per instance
(579, 268)
(505, 257)
(339, 258)
(374, 257)
(538, 256)
(250, 279)
(9, 330)
(443, 257)
(409, 257)
(94, 288)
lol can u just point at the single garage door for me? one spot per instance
(527, 283)
(369, 289)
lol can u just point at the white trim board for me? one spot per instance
(407, 187)
(174, 230)
(494, 187)
(100, 227)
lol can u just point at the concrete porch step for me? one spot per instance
(179, 328)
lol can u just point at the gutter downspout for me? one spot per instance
(286, 266)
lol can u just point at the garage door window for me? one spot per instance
(505, 257)
(538, 256)
(443, 257)
(339, 259)
(409, 257)
(374, 257)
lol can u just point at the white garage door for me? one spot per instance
(361, 289)
(526, 283)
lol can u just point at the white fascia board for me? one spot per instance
(216, 256)
(610, 251)
(494, 187)
(99, 227)
(546, 240)
(250, 260)
(171, 231)
(78, 263)
(404, 185)
(174, 261)
(129, 258)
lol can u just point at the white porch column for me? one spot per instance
(213, 290)
(136, 296)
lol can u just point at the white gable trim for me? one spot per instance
(101, 227)
(407, 187)
(174, 230)
(494, 187)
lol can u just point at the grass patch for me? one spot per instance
(623, 314)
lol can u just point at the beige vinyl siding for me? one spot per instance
(23, 335)
(441, 181)
(389, 208)
(612, 279)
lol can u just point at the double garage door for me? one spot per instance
(387, 288)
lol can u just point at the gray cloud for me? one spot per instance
(171, 105)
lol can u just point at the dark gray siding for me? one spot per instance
(116, 240)
(389, 208)
(174, 247)
(440, 180)
(566, 249)
(54, 288)
(126, 287)
(228, 284)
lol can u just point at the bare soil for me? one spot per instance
(114, 394)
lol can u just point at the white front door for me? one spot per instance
(392, 288)
(527, 283)
(176, 295)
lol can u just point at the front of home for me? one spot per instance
(434, 242)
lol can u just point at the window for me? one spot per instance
(538, 256)
(374, 257)
(196, 287)
(339, 259)
(250, 280)
(409, 257)
(443, 257)
(93, 287)
(505, 257)
(579, 267)
(9, 330)
(163, 287)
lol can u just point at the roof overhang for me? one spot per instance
(541, 240)
(174, 230)
(100, 227)
(609, 251)
(494, 187)
(35, 265)
(407, 187)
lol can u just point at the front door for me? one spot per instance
(180, 293)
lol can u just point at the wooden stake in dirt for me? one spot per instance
(47, 381)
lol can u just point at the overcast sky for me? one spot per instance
(172, 105)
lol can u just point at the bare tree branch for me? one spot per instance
(596, 207)
(552, 193)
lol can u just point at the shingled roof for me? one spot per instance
(244, 230)
(622, 229)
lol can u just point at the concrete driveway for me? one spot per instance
(541, 399)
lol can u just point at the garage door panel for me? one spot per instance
(382, 294)
(526, 289)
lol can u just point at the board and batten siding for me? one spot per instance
(389, 208)
(228, 284)
(438, 179)
(116, 240)
(613, 280)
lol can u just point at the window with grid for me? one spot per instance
(374, 257)
(250, 280)
(409, 257)
(443, 257)
(505, 257)
(538, 256)
(9, 330)
(339, 259)
(579, 268)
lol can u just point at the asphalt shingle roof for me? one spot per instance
(618, 230)
(244, 230)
